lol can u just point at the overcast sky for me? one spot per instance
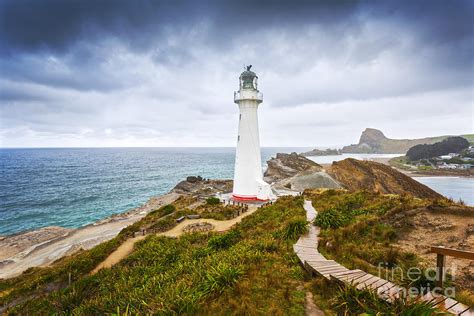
(162, 73)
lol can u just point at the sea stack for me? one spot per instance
(248, 175)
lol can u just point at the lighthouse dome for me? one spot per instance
(248, 74)
(248, 79)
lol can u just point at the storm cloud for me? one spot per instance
(162, 73)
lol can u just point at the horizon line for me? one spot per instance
(101, 147)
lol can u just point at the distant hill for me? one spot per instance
(449, 145)
(373, 141)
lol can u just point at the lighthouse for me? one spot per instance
(248, 176)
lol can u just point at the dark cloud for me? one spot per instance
(55, 24)
(169, 67)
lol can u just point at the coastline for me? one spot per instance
(417, 173)
(40, 247)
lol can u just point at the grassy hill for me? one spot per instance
(250, 269)
(469, 137)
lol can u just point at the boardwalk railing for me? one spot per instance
(441, 253)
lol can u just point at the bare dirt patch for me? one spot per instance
(451, 227)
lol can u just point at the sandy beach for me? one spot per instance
(43, 246)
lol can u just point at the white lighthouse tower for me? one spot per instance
(248, 176)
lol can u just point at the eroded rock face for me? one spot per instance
(356, 175)
(314, 180)
(372, 137)
(288, 165)
(13, 244)
(200, 186)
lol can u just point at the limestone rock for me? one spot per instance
(288, 165)
(200, 186)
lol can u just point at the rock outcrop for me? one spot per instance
(199, 186)
(296, 172)
(319, 152)
(289, 165)
(373, 141)
(356, 175)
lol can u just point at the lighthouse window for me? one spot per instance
(240, 117)
(238, 138)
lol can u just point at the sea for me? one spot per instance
(73, 187)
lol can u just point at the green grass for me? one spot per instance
(41, 280)
(366, 237)
(218, 212)
(355, 233)
(38, 281)
(213, 201)
(250, 269)
(350, 301)
(469, 137)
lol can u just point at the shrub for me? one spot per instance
(295, 228)
(331, 218)
(444, 147)
(221, 277)
(186, 275)
(164, 210)
(351, 301)
(223, 241)
(213, 201)
(163, 224)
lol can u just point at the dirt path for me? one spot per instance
(121, 252)
(127, 247)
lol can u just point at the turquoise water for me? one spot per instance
(331, 158)
(453, 187)
(74, 187)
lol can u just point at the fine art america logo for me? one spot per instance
(419, 281)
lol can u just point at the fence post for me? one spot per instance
(440, 263)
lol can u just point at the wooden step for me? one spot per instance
(350, 277)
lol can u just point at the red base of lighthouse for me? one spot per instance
(247, 198)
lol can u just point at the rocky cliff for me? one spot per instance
(356, 175)
(288, 165)
(196, 185)
(374, 141)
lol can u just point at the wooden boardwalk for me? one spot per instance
(306, 248)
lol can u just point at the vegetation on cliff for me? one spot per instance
(249, 269)
(446, 146)
(368, 231)
(196, 273)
